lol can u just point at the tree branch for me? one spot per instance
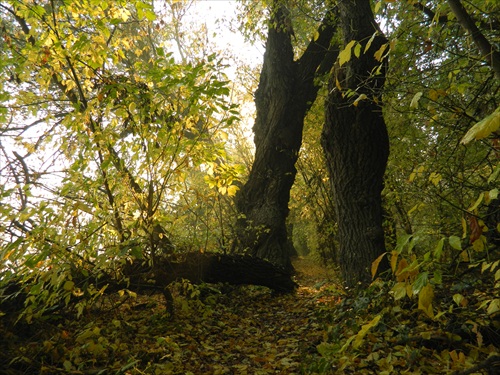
(489, 53)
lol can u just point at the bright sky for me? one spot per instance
(219, 16)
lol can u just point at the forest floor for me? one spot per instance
(222, 329)
(217, 329)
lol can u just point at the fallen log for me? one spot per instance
(195, 267)
(233, 269)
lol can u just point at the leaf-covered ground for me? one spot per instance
(219, 329)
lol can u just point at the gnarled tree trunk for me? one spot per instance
(286, 91)
(356, 145)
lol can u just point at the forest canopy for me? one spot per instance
(127, 164)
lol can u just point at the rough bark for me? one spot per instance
(285, 93)
(356, 145)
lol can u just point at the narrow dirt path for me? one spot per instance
(252, 332)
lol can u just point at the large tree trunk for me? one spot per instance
(356, 145)
(286, 91)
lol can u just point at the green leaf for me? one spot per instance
(495, 174)
(415, 100)
(458, 298)
(399, 290)
(455, 242)
(420, 282)
(438, 251)
(67, 365)
(68, 285)
(483, 128)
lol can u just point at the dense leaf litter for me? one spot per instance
(222, 329)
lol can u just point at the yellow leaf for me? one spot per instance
(433, 95)
(426, 335)
(477, 203)
(425, 298)
(494, 306)
(357, 50)
(460, 300)
(401, 272)
(377, 7)
(376, 263)
(337, 84)
(478, 245)
(369, 43)
(364, 330)
(358, 99)
(435, 178)
(418, 206)
(231, 190)
(345, 54)
(394, 260)
(379, 54)
(409, 290)
(316, 35)
(483, 128)
(131, 107)
(223, 135)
